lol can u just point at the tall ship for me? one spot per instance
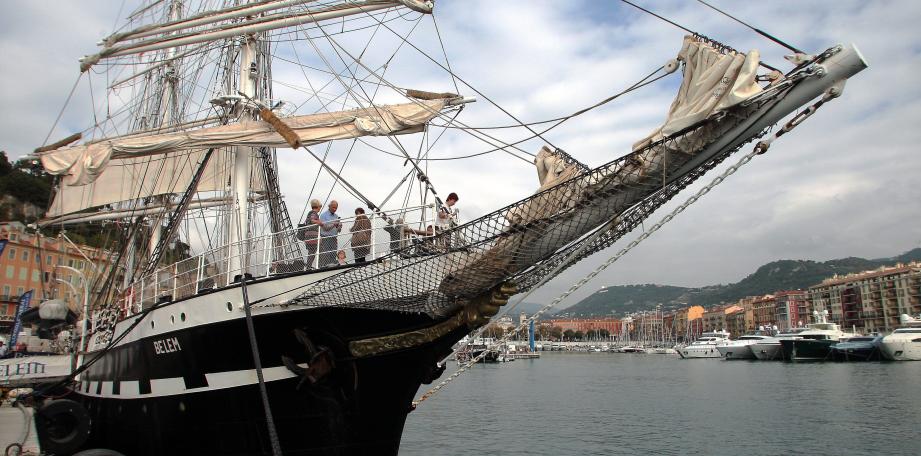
(226, 324)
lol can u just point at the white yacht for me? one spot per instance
(768, 349)
(741, 348)
(705, 345)
(904, 344)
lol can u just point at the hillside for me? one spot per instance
(774, 276)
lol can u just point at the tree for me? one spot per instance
(5, 165)
(579, 335)
(604, 333)
(568, 334)
(556, 333)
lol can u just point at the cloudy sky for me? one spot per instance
(845, 183)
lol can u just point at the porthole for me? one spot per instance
(152, 324)
(229, 306)
(182, 316)
(181, 406)
(172, 319)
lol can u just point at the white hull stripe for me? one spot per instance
(160, 387)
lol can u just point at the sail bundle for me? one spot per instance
(83, 164)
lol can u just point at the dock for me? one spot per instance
(18, 425)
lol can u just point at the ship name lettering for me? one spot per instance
(170, 345)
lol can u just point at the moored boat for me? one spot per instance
(815, 343)
(704, 346)
(904, 344)
(220, 329)
(769, 349)
(859, 348)
(741, 348)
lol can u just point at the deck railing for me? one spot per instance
(294, 250)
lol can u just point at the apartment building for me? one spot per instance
(47, 265)
(870, 300)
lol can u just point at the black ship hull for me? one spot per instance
(194, 391)
(806, 349)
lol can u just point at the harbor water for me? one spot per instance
(607, 404)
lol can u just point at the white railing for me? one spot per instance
(289, 251)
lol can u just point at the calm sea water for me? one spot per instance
(608, 404)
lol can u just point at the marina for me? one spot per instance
(343, 227)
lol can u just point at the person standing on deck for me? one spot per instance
(361, 236)
(447, 218)
(312, 231)
(330, 226)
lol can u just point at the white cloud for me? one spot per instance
(844, 183)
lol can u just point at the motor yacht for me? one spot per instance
(705, 345)
(768, 349)
(860, 348)
(814, 344)
(741, 348)
(904, 344)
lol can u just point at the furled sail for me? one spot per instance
(714, 80)
(129, 179)
(83, 164)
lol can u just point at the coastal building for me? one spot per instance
(791, 309)
(735, 322)
(870, 300)
(764, 314)
(47, 265)
(586, 325)
(688, 323)
(715, 318)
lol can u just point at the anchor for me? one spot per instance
(321, 361)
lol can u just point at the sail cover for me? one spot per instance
(714, 80)
(83, 164)
(128, 179)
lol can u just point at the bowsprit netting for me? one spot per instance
(528, 240)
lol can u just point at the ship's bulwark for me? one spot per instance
(182, 403)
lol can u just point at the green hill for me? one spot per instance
(774, 276)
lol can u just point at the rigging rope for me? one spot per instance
(760, 148)
(682, 27)
(756, 30)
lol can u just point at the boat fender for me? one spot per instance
(63, 426)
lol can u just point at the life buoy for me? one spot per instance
(63, 426)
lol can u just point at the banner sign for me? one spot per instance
(34, 369)
(24, 302)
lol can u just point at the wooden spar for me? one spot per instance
(56, 145)
(243, 28)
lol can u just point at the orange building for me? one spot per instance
(612, 325)
(32, 263)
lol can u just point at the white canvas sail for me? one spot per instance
(129, 179)
(714, 81)
(83, 164)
